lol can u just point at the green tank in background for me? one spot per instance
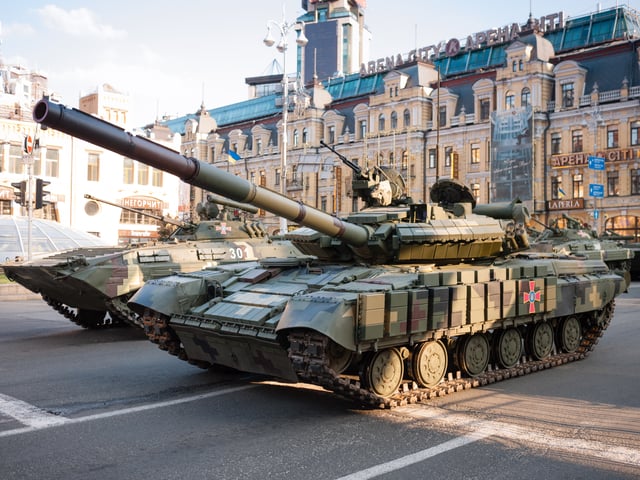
(396, 303)
(91, 286)
(577, 239)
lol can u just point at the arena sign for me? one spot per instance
(452, 47)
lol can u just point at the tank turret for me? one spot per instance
(396, 303)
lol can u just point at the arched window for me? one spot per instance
(296, 138)
(509, 101)
(305, 136)
(381, 123)
(407, 118)
(394, 120)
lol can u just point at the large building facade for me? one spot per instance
(514, 112)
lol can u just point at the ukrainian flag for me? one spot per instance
(561, 193)
(233, 156)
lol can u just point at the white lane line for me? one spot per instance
(28, 414)
(529, 435)
(35, 418)
(417, 457)
(480, 429)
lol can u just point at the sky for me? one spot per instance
(170, 57)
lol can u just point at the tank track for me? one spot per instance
(72, 315)
(157, 330)
(307, 353)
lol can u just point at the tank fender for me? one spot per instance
(332, 314)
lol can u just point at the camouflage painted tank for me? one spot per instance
(91, 286)
(577, 239)
(396, 303)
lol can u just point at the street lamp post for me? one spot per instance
(284, 28)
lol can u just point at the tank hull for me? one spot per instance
(364, 310)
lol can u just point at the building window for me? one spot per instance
(406, 118)
(576, 141)
(556, 188)
(475, 191)
(442, 117)
(277, 182)
(485, 109)
(127, 171)
(613, 183)
(93, 167)
(362, 128)
(475, 154)
(16, 165)
(432, 158)
(635, 133)
(156, 177)
(332, 135)
(305, 136)
(296, 138)
(51, 168)
(509, 101)
(448, 154)
(514, 66)
(520, 65)
(381, 123)
(612, 137)
(556, 143)
(578, 186)
(405, 160)
(525, 97)
(323, 203)
(567, 95)
(394, 120)
(635, 181)
(259, 146)
(143, 174)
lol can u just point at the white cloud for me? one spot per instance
(77, 22)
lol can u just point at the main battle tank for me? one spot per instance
(396, 303)
(86, 284)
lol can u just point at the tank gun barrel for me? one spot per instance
(200, 174)
(161, 218)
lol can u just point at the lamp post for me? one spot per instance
(284, 28)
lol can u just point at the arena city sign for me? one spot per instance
(494, 36)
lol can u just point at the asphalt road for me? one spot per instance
(78, 404)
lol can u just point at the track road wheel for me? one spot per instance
(473, 354)
(508, 347)
(569, 334)
(429, 363)
(383, 372)
(540, 340)
(339, 357)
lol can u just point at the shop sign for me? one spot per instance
(565, 204)
(453, 46)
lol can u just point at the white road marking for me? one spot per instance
(417, 457)
(28, 414)
(35, 418)
(480, 429)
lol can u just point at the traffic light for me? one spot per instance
(20, 194)
(41, 193)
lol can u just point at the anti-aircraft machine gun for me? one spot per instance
(389, 305)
